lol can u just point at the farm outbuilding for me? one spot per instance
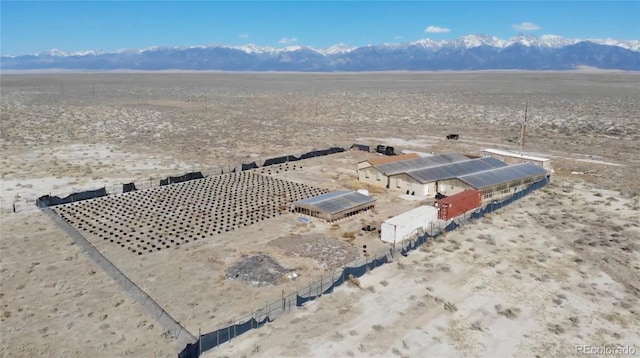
(334, 206)
(403, 226)
(441, 178)
(516, 158)
(502, 182)
(367, 173)
(378, 174)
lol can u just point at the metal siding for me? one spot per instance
(399, 227)
(458, 204)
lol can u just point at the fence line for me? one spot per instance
(326, 284)
(151, 182)
(180, 333)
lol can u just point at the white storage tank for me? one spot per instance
(402, 226)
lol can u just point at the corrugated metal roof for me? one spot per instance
(414, 216)
(336, 201)
(420, 163)
(502, 175)
(454, 170)
(507, 153)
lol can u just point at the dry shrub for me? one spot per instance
(476, 326)
(556, 328)
(510, 313)
(349, 235)
(354, 281)
(427, 246)
(448, 306)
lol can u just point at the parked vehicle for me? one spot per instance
(368, 228)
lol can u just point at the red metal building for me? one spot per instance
(457, 204)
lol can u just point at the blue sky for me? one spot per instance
(29, 26)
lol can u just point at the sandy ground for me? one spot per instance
(500, 287)
(574, 245)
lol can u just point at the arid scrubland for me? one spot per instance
(557, 269)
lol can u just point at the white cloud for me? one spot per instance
(397, 37)
(243, 36)
(436, 29)
(526, 26)
(287, 40)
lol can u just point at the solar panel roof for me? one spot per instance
(420, 163)
(454, 170)
(336, 202)
(502, 175)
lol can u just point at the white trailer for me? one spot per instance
(402, 226)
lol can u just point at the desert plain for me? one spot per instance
(556, 270)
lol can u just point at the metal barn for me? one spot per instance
(516, 158)
(334, 206)
(380, 174)
(502, 182)
(440, 179)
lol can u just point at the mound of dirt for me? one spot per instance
(258, 270)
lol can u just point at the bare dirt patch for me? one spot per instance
(258, 270)
(327, 252)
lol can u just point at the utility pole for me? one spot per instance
(524, 125)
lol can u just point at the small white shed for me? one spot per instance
(400, 227)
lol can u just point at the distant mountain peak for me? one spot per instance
(340, 48)
(469, 52)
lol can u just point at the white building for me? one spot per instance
(379, 173)
(516, 158)
(367, 173)
(407, 224)
(441, 178)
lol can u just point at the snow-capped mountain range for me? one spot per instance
(470, 52)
